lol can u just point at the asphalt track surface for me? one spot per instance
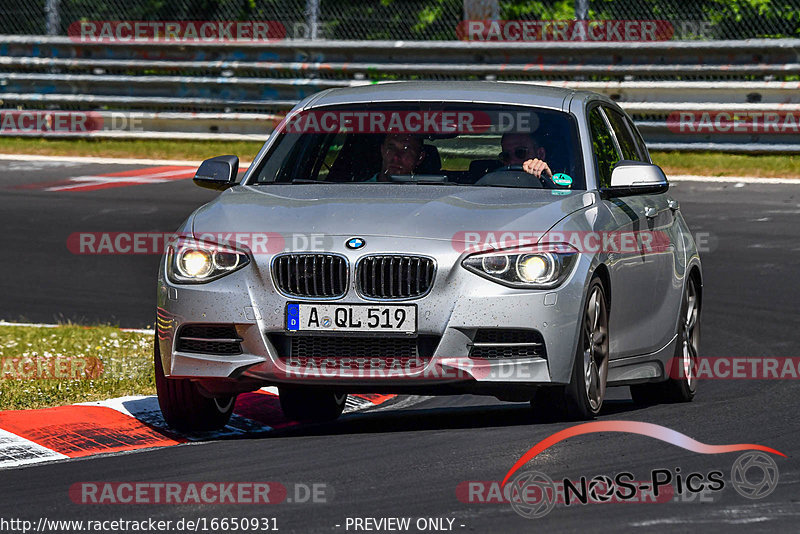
(408, 461)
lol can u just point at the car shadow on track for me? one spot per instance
(441, 418)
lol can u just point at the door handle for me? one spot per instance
(673, 205)
(650, 212)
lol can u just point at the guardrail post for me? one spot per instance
(53, 19)
(481, 10)
(312, 15)
(581, 9)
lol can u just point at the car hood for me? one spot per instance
(412, 211)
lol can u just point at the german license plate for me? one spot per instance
(302, 317)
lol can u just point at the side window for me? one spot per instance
(605, 153)
(624, 136)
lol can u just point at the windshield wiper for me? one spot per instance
(295, 181)
(430, 179)
(508, 186)
(306, 181)
(426, 182)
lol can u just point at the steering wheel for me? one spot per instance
(505, 168)
(519, 168)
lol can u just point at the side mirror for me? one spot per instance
(217, 173)
(636, 178)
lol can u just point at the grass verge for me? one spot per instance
(700, 163)
(722, 164)
(42, 367)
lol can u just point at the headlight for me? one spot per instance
(193, 261)
(539, 267)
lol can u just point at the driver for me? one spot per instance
(523, 149)
(400, 154)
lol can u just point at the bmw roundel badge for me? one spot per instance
(355, 243)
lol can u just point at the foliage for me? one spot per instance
(420, 19)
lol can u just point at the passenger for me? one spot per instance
(400, 154)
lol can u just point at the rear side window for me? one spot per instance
(640, 145)
(624, 136)
(605, 152)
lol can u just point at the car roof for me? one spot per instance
(451, 91)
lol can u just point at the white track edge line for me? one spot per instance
(44, 325)
(733, 179)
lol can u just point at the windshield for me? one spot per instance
(424, 143)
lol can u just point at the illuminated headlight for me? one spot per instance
(541, 267)
(192, 261)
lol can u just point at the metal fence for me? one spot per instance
(235, 90)
(414, 19)
(225, 91)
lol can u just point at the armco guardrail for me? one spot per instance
(219, 90)
(762, 51)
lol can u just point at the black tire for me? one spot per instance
(576, 401)
(307, 405)
(184, 407)
(681, 386)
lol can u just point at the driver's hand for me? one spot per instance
(537, 168)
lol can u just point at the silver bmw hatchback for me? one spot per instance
(431, 238)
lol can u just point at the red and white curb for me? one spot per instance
(146, 176)
(131, 423)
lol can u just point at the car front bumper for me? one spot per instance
(458, 305)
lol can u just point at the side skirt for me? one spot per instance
(644, 368)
